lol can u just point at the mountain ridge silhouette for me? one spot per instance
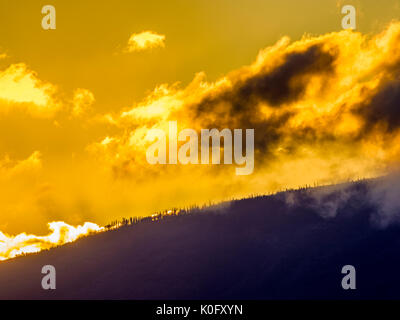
(282, 246)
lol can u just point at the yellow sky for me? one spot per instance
(63, 92)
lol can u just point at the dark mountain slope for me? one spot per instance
(275, 247)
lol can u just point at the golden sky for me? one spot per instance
(75, 102)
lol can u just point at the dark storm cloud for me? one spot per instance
(383, 108)
(286, 83)
(240, 106)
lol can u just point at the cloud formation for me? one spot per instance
(145, 40)
(327, 102)
(82, 101)
(9, 168)
(20, 87)
(379, 196)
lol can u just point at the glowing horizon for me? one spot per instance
(62, 233)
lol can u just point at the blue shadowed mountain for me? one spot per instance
(291, 245)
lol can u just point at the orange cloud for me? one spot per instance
(145, 40)
(314, 103)
(82, 101)
(10, 169)
(21, 86)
